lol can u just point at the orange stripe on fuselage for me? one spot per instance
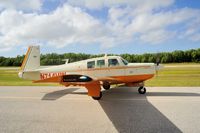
(133, 78)
(25, 59)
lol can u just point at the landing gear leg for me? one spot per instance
(94, 90)
(99, 97)
(142, 90)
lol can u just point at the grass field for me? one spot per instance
(177, 75)
(170, 75)
(9, 77)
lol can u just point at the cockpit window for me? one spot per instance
(100, 63)
(124, 61)
(91, 64)
(113, 62)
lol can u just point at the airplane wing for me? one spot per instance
(93, 86)
(74, 79)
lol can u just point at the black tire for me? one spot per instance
(98, 98)
(142, 90)
(106, 85)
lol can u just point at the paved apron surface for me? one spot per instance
(57, 109)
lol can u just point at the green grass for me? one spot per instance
(182, 75)
(9, 77)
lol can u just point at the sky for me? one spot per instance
(99, 26)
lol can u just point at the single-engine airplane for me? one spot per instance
(91, 73)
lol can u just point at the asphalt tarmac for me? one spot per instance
(59, 109)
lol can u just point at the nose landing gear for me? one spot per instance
(106, 85)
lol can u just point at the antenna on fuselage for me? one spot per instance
(66, 61)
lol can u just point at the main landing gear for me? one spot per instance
(106, 86)
(99, 97)
(142, 90)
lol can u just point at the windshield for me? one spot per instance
(125, 62)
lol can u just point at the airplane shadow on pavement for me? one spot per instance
(129, 111)
(132, 112)
(58, 94)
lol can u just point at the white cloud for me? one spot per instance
(21, 4)
(64, 26)
(141, 5)
(192, 30)
(158, 20)
(156, 36)
(6, 49)
(127, 21)
(151, 27)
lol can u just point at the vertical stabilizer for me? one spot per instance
(32, 59)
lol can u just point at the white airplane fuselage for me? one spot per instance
(131, 70)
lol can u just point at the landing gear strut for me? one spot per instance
(106, 85)
(99, 97)
(142, 90)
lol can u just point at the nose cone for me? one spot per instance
(20, 74)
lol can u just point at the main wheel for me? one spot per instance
(99, 97)
(106, 85)
(142, 90)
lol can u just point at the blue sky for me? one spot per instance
(101, 26)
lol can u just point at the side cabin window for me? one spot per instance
(100, 63)
(91, 64)
(113, 62)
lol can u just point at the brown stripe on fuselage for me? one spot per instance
(133, 78)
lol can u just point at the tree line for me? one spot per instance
(177, 56)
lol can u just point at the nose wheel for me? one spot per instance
(106, 85)
(142, 90)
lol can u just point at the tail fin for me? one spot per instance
(32, 59)
(30, 64)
